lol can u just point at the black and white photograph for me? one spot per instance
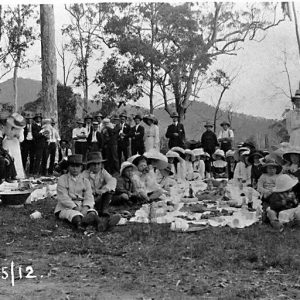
(149, 150)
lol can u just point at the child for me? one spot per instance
(126, 191)
(284, 199)
(241, 171)
(219, 165)
(199, 165)
(256, 172)
(181, 165)
(164, 178)
(75, 201)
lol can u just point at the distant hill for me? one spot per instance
(244, 126)
(28, 90)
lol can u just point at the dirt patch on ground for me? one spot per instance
(142, 261)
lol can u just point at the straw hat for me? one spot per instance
(218, 152)
(94, 157)
(126, 164)
(230, 153)
(16, 120)
(270, 162)
(245, 153)
(47, 121)
(172, 154)
(198, 152)
(95, 123)
(284, 183)
(208, 124)
(158, 160)
(287, 154)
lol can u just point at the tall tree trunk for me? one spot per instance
(86, 91)
(15, 85)
(218, 107)
(296, 26)
(49, 71)
(151, 88)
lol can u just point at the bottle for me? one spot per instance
(250, 199)
(241, 186)
(244, 202)
(191, 192)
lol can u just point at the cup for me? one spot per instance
(36, 215)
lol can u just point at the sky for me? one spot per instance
(257, 89)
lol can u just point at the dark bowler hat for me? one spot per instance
(94, 157)
(208, 124)
(38, 115)
(88, 117)
(174, 115)
(137, 117)
(99, 115)
(225, 123)
(75, 159)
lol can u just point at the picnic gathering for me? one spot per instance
(116, 162)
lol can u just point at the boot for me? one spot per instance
(277, 225)
(114, 220)
(77, 223)
(89, 219)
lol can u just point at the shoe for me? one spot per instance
(114, 220)
(277, 225)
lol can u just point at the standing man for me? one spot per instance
(123, 140)
(137, 137)
(225, 137)
(94, 139)
(79, 136)
(209, 139)
(88, 124)
(54, 140)
(175, 133)
(99, 119)
(28, 144)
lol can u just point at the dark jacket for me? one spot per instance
(98, 137)
(109, 137)
(126, 130)
(137, 135)
(175, 140)
(124, 186)
(37, 136)
(209, 142)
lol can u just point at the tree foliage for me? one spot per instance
(182, 41)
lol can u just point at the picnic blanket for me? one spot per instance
(192, 214)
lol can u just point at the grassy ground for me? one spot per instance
(142, 261)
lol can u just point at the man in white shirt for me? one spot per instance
(54, 140)
(94, 139)
(99, 119)
(79, 136)
(225, 137)
(88, 124)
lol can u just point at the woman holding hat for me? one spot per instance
(293, 121)
(151, 137)
(225, 136)
(13, 131)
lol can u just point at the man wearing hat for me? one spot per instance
(102, 183)
(175, 133)
(225, 136)
(137, 137)
(28, 144)
(123, 140)
(99, 119)
(94, 139)
(75, 201)
(88, 123)
(79, 136)
(209, 139)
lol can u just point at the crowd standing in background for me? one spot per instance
(110, 162)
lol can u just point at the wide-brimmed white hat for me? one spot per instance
(178, 149)
(284, 183)
(230, 153)
(269, 161)
(198, 152)
(245, 153)
(16, 120)
(173, 154)
(218, 152)
(125, 165)
(158, 160)
(189, 152)
(292, 150)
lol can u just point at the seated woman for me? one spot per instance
(292, 156)
(189, 159)
(126, 191)
(145, 179)
(102, 183)
(177, 165)
(180, 164)
(75, 201)
(283, 199)
(219, 165)
(164, 179)
(199, 165)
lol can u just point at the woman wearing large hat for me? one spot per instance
(225, 136)
(151, 136)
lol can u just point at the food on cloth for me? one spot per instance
(196, 208)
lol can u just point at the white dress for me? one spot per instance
(12, 145)
(151, 137)
(293, 126)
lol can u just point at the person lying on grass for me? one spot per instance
(126, 191)
(283, 203)
(75, 198)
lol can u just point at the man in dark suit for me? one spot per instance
(175, 133)
(137, 137)
(94, 139)
(123, 140)
(28, 144)
(209, 139)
